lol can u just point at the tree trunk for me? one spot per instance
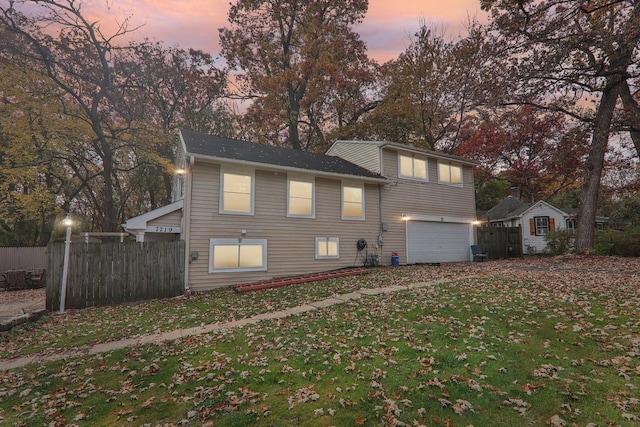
(109, 219)
(294, 134)
(585, 229)
(294, 115)
(632, 110)
(47, 227)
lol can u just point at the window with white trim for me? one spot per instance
(542, 225)
(352, 202)
(229, 255)
(450, 174)
(300, 198)
(327, 247)
(412, 167)
(236, 193)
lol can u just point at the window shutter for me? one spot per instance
(552, 224)
(532, 226)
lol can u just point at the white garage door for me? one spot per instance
(438, 242)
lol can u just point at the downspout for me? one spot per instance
(380, 228)
(186, 232)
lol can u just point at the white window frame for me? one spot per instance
(237, 242)
(543, 230)
(448, 180)
(311, 181)
(571, 224)
(327, 240)
(252, 196)
(342, 202)
(413, 167)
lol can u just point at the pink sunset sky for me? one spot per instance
(195, 23)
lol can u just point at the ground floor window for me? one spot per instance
(327, 247)
(542, 225)
(227, 255)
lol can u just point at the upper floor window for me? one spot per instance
(236, 193)
(300, 198)
(352, 202)
(450, 174)
(411, 167)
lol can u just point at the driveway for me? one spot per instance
(16, 302)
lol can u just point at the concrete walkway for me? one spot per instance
(213, 327)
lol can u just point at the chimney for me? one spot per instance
(514, 192)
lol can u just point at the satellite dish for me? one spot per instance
(361, 244)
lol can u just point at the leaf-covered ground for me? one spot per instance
(540, 341)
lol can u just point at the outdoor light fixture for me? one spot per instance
(67, 222)
(180, 171)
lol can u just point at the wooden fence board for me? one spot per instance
(23, 258)
(500, 242)
(115, 273)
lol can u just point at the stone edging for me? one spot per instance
(7, 325)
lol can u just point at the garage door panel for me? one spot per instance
(429, 242)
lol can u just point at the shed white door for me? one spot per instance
(438, 242)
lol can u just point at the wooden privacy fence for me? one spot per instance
(23, 258)
(500, 242)
(114, 273)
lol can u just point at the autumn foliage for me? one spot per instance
(538, 152)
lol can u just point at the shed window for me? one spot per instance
(541, 225)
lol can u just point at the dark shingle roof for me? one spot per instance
(507, 208)
(233, 149)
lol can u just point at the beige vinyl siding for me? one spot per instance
(420, 198)
(173, 219)
(290, 241)
(364, 154)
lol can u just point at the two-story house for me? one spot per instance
(250, 212)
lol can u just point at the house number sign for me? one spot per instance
(163, 229)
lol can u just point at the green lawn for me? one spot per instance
(538, 345)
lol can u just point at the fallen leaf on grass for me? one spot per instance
(122, 413)
(462, 406)
(148, 402)
(556, 421)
